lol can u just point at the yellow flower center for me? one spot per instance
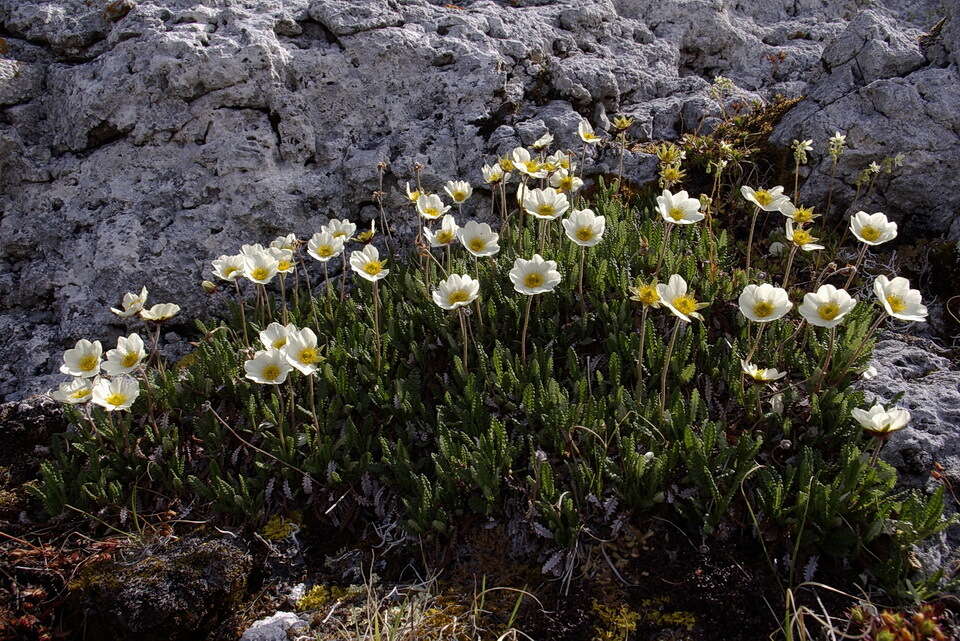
(431, 212)
(869, 232)
(373, 268)
(284, 265)
(414, 196)
(309, 355)
(459, 196)
(685, 304)
(828, 311)
(549, 166)
(444, 236)
(477, 244)
(531, 166)
(676, 213)
(590, 137)
(458, 296)
(324, 251)
(762, 309)
(546, 209)
(566, 183)
(803, 214)
(280, 342)
(260, 273)
(533, 280)
(83, 392)
(763, 197)
(88, 363)
(130, 359)
(564, 163)
(506, 164)
(802, 237)
(230, 270)
(116, 399)
(896, 303)
(271, 373)
(648, 295)
(339, 234)
(584, 234)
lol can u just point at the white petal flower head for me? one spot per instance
(764, 303)
(456, 291)
(368, 265)
(131, 304)
(827, 306)
(760, 374)
(431, 207)
(444, 236)
(766, 199)
(479, 239)
(252, 250)
(75, 391)
(543, 141)
(679, 208)
(881, 422)
(413, 195)
(545, 204)
(160, 312)
(285, 242)
(285, 264)
(899, 300)
(534, 276)
(267, 367)
(458, 190)
(324, 246)
(301, 351)
(260, 267)
(127, 356)
(493, 174)
(83, 359)
(801, 237)
(519, 156)
(565, 182)
(585, 129)
(275, 335)
(526, 164)
(343, 229)
(116, 394)
(559, 160)
(674, 296)
(872, 229)
(229, 268)
(584, 227)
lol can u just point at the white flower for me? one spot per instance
(337, 228)
(800, 215)
(444, 236)
(132, 304)
(534, 276)
(126, 357)
(679, 208)
(760, 374)
(456, 291)
(74, 391)
(301, 350)
(284, 258)
(880, 421)
(494, 174)
(252, 250)
(116, 394)
(323, 246)
(898, 299)
(543, 141)
(674, 295)
(764, 303)
(268, 367)
(285, 242)
(872, 229)
(160, 312)
(367, 263)
(229, 268)
(413, 195)
(526, 164)
(869, 374)
(766, 199)
(479, 239)
(458, 190)
(559, 160)
(260, 267)
(584, 227)
(804, 145)
(83, 360)
(275, 335)
(827, 306)
(545, 204)
(565, 182)
(801, 237)
(585, 129)
(431, 207)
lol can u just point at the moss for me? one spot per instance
(320, 596)
(278, 528)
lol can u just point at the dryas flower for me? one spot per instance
(116, 394)
(584, 227)
(301, 350)
(543, 141)
(131, 304)
(760, 374)
(126, 357)
(800, 215)
(285, 242)
(646, 294)
(431, 207)
(260, 267)
(340, 228)
(766, 199)
(75, 391)
(545, 204)
(801, 237)
(367, 263)
(899, 300)
(675, 297)
(585, 129)
(534, 276)
(228, 268)
(827, 306)
(367, 236)
(458, 190)
(285, 264)
(479, 239)
(526, 164)
(456, 291)
(622, 122)
(493, 174)
(764, 303)
(160, 312)
(558, 160)
(275, 335)
(872, 229)
(323, 246)
(414, 195)
(679, 208)
(252, 250)
(444, 236)
(565, 182)
(267, 367)
(83, 359)
(879, 421)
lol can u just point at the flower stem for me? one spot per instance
(313, 403)
(243, 314)
(756, 342)
(753, 224)
(376, 319)
(326, 280)
(826, 361)
(640, 359)
(583, 259)
(463, 335)
(283, 298)
(523, 333)
(856, 266)
(666, 367)
(786, 272)
(666, 245)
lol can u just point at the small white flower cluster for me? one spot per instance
(285, 348)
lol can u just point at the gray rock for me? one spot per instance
(142, 139)
(276, 627)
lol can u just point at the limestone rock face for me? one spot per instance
(139, 139)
